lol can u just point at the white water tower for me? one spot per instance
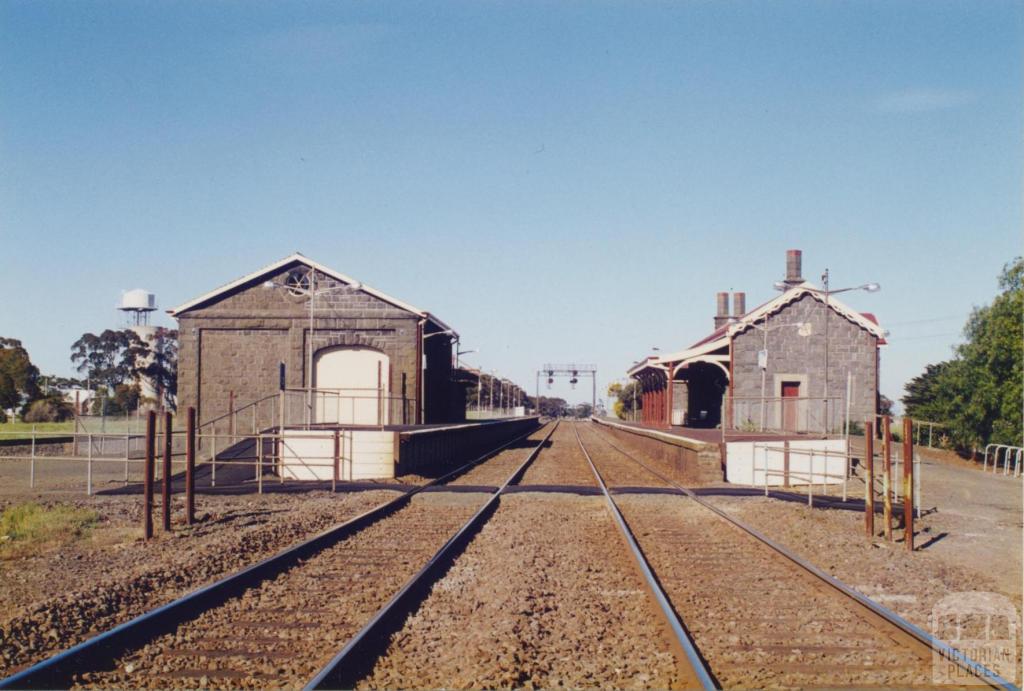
(136, 305)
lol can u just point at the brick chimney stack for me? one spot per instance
(794, 268)
(722, 314)
(739, 304)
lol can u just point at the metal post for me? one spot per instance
(337, 460)
(917, 485)
(908, 485)
(231, 416)
(165, 496)
(825, 277)
(32, 458)
(764, 369)
(147, 475)
(869, 478)
(930, 428)
(846, 423)
(380, 391)
(846, 466)
(887, 477)
(785, 464)
(78, 409)
(765, 466)
(190, 467)
(213, 458)
(127, 450)
(88, 469)
(810, 481)
(259, 463)
(309, 351)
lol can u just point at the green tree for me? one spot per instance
(977, 394)
(162, 365)
(19, 378)
(109, 359)
(628, 399)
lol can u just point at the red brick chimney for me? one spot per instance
(794, 268)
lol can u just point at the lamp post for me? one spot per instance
(311, 292)
(826, 292)
(762, 357)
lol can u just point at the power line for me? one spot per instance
(928, 321)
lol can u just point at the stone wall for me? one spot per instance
(851, 349)
(685, 462)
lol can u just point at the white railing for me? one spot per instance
(264, 452)
(1016, 452)
(783, 415)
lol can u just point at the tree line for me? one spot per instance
(112, 364)
(977, 394)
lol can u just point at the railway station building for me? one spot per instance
(800, 363)
(320, 347)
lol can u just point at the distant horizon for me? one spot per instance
(557, 181)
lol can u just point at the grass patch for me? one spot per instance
(23, 430)
(28, 528)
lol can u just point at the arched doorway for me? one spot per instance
(352, 386)
(706, 384)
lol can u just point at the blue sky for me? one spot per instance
(560, 181)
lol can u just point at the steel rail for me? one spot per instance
(697, 668)
(937, 645)
(364, 649)
(58, 670)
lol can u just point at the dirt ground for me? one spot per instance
(57, 597)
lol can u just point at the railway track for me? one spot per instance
(545, 598)
(759, 615)
(738, 609)
(280, 622)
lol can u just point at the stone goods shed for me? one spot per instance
(331, 349)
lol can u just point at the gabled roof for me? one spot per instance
(647, 362)
(301, 259)
(719, 338)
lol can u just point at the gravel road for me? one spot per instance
(527, 608)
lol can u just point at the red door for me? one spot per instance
(790, 390)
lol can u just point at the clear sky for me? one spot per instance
(559, 180)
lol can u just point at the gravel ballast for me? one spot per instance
(58, 598)
(759, 620)
(560, 463)
(281, 632)
(525, 607)
(497, 469)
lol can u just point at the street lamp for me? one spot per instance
(309, 290)
(871, 287)
(762, 357)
